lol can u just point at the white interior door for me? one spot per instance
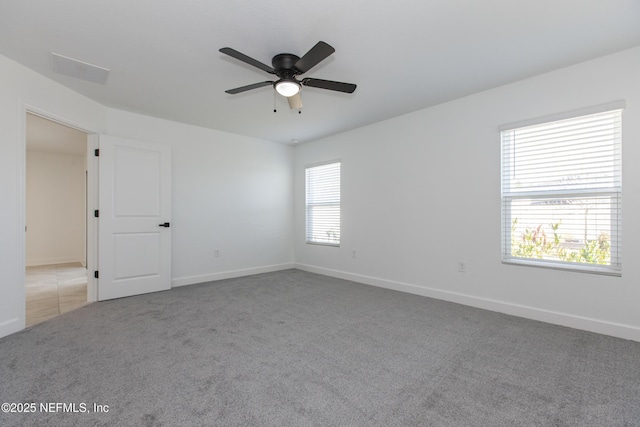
(134, 234)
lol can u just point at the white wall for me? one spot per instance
(55, 208)
(422, 191)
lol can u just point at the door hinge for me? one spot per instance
(96, 213)
(96, 152)
(95, 274)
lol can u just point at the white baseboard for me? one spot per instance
(193, 280)
(54, 260)
(11, 326)
(604, 327)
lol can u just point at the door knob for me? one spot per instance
(166, 224)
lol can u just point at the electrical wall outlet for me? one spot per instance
(462, 267)
(216, 253)
(353, 253)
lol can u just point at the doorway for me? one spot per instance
(56, 219)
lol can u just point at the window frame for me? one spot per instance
(309, 226)
(613, 193)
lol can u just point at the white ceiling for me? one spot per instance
(404, 55)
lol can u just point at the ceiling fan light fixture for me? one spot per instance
(287, 88)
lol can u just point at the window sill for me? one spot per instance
(565, 266)
(335, 245)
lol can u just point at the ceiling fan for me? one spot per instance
(286, 67)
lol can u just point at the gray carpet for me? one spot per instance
(298, 349)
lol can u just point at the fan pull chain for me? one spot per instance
(274, 102)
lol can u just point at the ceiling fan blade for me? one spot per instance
(329, 84)
(248, 87)
(295, 101)
(244, 58)
(310, 59)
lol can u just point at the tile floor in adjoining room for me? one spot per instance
(53, 290)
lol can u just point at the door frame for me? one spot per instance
(92, 196)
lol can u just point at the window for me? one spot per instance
(323, 204)
(561, 193)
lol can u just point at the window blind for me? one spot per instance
(323, 204)
(562, 193)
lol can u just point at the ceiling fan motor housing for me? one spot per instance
(284, 65)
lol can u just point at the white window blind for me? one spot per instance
(561, 193)
(323, 204)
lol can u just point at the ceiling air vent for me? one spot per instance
(78, 69)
